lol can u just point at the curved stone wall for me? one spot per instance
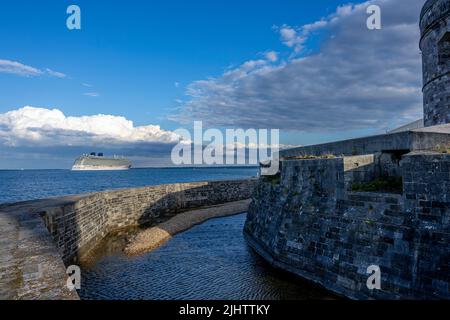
(38, 238)
(435, 46)
(307, 223)
(78, 224)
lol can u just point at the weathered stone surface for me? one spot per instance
(79, 224)
(435, 46)
(38, 237)
(30, 264)
(414, 140)
(309, 224)
(360, 169)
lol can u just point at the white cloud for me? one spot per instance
(357, 79)
(55, 73)
(17, 68)
(91, 94)
(30, 126)
(272, 56)
(292, 38)
(20, 69)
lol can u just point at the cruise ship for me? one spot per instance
(95, 162)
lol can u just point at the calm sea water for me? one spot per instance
(209, 261)
(37, 184)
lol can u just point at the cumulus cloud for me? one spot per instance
(357, 79)
(48, 138)
(41, 127)
(20, 69)
(292, 38)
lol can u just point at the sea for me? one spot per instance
(23, 185)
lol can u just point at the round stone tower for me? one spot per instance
(435, 46)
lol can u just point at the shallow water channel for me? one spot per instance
(209, 261)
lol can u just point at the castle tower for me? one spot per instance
(435, 46)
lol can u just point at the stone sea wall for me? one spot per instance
(30, 264)
(306, 222)
(77, 226)
(38, 238)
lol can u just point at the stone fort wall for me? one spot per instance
(435, 46)
(306, 222)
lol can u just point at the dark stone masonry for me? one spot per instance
(309, 224)
(77, 226)
(39, 239)
(435, 46)
(308, 221)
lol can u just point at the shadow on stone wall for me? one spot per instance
(79, 223)
(308, 224)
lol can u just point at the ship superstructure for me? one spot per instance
(96, 162)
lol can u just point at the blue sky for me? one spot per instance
(133, 52)
(138, 59)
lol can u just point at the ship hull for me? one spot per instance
(96, 163)
(99, 168)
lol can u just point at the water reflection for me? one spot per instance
(210, 261)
